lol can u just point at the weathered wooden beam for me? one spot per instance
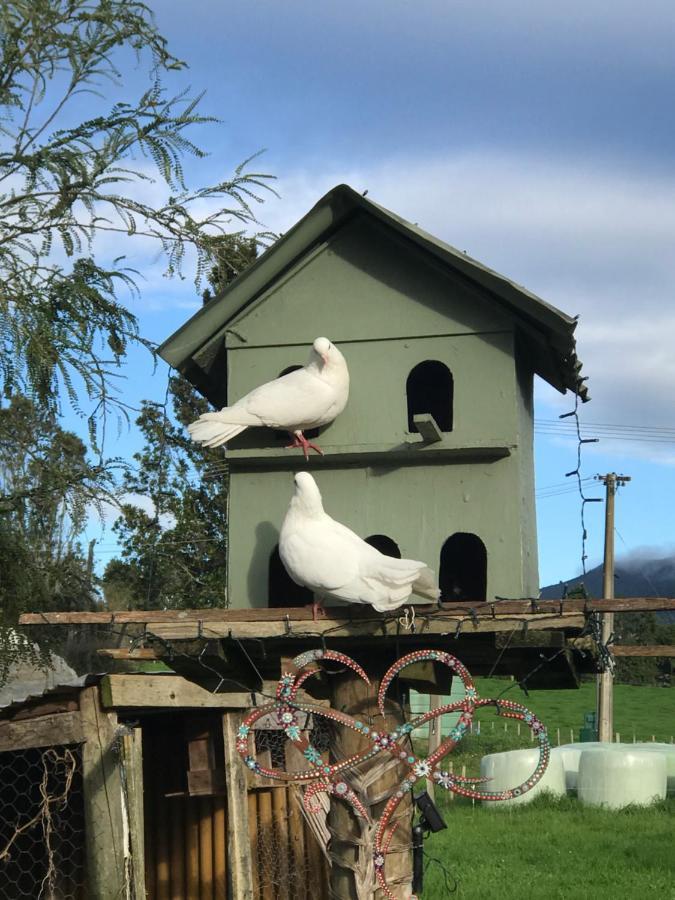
(240, 876)
(103, 801)
(340, 613)
(643, 650)
(45, 731)
(175, 692)
(428, 428)
(128, 653)
(168, 691)
(353, 628)
(132, 760)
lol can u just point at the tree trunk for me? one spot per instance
(352, 838)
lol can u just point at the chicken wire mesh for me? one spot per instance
(288, 846)
(41, 825)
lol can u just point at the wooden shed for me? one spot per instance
(128, 786)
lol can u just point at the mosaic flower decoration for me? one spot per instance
(329, 778)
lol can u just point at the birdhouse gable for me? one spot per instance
(368, 274)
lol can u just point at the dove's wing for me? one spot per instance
(297, 400)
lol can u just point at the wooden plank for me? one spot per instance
(268, 859)
(129, 654)
(177, 834)
(643, 650)
(205, 849)
(280, 614)
(253, 835)
(191, 850)
(132, 756)
(219, 849)
(435, 739)
(238, 847)
(375, 628)
(46, 731)
(103, 813)
(172, 691)
(280, 818)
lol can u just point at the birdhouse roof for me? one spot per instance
(546, 332)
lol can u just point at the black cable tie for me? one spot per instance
(589, 440)
(287, 623)
(458, 629)
(474, 616)
(525, 626)
(569, 474)
(567, 414)
(200, 624)
(492, 609)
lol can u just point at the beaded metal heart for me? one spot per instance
(322, 777)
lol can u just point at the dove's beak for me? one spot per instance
(324, 357)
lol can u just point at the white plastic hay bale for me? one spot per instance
(570, 754)
(668, 752)
(509, 769)
(618, 776)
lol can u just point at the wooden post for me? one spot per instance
(103, 811)
(352, 839)
(605, 679)
(132, 755)
(238, 846)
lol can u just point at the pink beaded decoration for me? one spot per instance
(327, 778)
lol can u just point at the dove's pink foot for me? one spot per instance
(318, 612)
(299, 440)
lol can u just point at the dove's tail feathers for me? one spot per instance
(426, 585)
(212, 432)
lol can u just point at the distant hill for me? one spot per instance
(634, 578)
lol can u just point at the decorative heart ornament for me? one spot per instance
(322, 777)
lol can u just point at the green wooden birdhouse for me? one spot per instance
(433, 457)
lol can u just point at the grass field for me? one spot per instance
(553, 849)
(556, 848)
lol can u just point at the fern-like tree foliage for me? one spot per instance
(174, 549)
(63, 326)
(48, 488)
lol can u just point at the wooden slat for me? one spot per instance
(177, 831)
(238, 847)
(126, 653)
(191, 849)
(132, 755)
(253, 833)
(291, 614)
(643, 650)
(103, 813)
(280, 818)
(47, 731)
(205, 849)
(375, 628)
(265, 843)
(219, 849)
(170, 691)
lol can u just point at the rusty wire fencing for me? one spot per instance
(41, 825)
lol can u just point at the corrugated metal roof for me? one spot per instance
(20, 693)
(547, 331)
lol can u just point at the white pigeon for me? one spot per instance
(305, 398)
(330, 559)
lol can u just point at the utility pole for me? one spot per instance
(605, 698)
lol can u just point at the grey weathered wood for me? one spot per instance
(238, 846)
(132, 755)
(359, 628)
(45, 731)
(103, 802)
(435, 737)
(643, 650)
(175, 692)
(480, 608)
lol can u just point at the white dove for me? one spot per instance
(305, 398)
(327, 557)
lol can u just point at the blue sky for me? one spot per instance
(539, 139)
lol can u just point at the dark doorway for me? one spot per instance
(463, 573)
(384, 544)
(282, 591)
(429, 389)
